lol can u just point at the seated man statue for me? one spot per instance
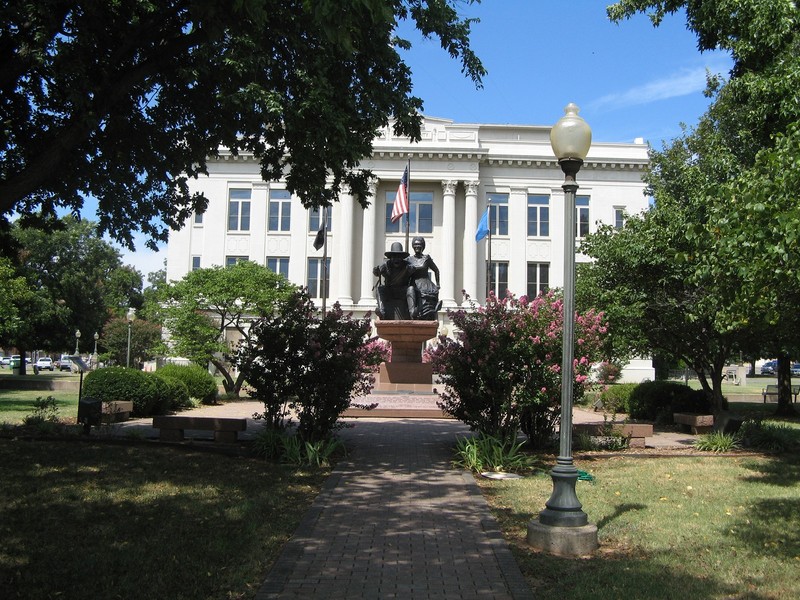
(396, 296)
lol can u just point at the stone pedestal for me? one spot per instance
(572, 542)
(406, 371)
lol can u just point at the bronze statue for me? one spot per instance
(404, 289)
(426, 293)
(396, 299)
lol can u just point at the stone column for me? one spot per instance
(368, 246)
(344, 250)
(447, 261)
(470, 247)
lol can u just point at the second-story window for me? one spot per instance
(239, 209)
(280, 210)
(538, 215)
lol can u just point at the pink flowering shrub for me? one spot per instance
(314, 365)
(502, 373)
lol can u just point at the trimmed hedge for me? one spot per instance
(177, 393)
(200, 384)
(122, 383)
(657, 400)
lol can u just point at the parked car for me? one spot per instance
(795, 369)
(64, 363)
(45, 363)
(5, 361)
(769, 368)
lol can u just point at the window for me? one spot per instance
(314, 280)
(239, 210)
(279, 264)
(498, 278)
(315, 216)
(538, 216)
(198, 218)
(582, 216)
(498, 214)
(280, 210)
(538, 278)
(619, 217)
(195, 263)
(232, 260)
(420, 213)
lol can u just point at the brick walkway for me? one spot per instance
(396, 521)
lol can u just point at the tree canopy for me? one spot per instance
(739, 164)
(209, 311)
(125, 101)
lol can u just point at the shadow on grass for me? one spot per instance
(608, 577)
(81, 520)
(771, 528)
(783, 470)
(619, 511)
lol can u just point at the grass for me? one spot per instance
(15, 405)
(94, 520)
(700, 527)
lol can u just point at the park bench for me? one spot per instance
(695, 423)
(771, 392)
(171, 427)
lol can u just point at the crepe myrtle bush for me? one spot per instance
(502, 372)
(298, 360)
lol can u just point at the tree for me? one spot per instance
(69, 273)
(145, 337)
(125, 101)
(208, 308)
(755, 115)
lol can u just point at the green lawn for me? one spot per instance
(15, 405)
(96, 520)
(692, 527)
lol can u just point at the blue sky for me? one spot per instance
(630, 80)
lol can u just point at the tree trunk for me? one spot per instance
(785, 408)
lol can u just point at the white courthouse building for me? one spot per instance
(457, 170)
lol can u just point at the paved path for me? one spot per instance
(396, 521)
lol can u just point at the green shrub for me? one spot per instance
(657, 400)
(768, 436)
(122, 383)
(199, 382)
(615, 398)
(718, 442)
(178, 394)
(290, 448)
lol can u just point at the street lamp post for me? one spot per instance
(131, 317)
(94, 354)
(562, 527)
(77, 339)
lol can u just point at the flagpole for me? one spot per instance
(489, 250)
(408, 214)
(324, 257)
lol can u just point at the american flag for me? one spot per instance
(401, 198)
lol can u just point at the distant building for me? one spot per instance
(457, 169)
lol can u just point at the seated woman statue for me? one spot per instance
(426, 292)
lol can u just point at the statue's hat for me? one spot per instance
(396, 251)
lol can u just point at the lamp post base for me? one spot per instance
(570, 542)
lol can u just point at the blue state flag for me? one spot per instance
(483, 226)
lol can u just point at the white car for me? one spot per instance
(45, 363)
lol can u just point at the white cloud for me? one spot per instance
(682, 83)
